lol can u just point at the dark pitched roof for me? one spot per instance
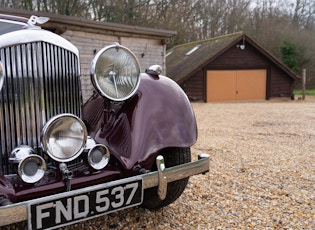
(62, 21)
(180, 64)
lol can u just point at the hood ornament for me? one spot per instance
(33, 20)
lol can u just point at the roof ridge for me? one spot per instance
(209, 39)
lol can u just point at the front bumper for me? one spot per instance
(19, 212)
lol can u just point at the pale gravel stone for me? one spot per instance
(262, 172)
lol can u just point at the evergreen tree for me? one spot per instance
(289, 56)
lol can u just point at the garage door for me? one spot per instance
(236, 85)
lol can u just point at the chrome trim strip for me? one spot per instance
(36, 35)
(13, 22)
(1, 75)
(18, 212)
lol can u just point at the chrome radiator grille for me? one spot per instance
(41, 80)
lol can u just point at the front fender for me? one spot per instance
(158, 116)
(164, 117)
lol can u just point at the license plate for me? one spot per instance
(75, 206)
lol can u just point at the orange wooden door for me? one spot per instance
(251, 85)
(236, 85)
(221, 86)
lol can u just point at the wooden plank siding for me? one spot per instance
(89, 36)
(278, 83)
(281, 86)
(194, 86)
(148, 51)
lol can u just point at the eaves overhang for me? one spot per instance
(272, 58)
(62, 23)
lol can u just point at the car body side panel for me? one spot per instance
(159, 115)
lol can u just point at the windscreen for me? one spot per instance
(7, 26)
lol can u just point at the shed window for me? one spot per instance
(169, 53)
(192, 50)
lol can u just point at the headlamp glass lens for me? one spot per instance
(64, 137)
(115, 73)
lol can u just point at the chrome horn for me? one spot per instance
(98, 156)
(31, 167)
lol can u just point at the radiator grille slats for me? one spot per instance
(41, 81)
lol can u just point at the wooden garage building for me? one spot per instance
(148, 44)
(229, 68)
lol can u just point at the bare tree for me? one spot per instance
(64, 7)
(304, 14)
(269, 22)
(119, 11)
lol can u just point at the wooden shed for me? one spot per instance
(229, 68)
(148, 44)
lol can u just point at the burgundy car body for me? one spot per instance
(143, 125)
(157, 116)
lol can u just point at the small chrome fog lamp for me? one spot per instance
(31, 167)
(115, 72)
(98, 157)
(64, 137)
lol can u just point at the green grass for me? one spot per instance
(309, 92)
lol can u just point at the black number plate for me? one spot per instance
(78, 205)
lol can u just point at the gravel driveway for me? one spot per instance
(262, 172)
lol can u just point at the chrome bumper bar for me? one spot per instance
(18, 212)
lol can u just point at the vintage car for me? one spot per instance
(63, 161)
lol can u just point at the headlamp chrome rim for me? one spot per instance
(119, 71)
(64, 137)
(98, 156)
(27, 173)
(31, 167)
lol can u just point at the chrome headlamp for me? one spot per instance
(64, 137)
(31, 167)
(115, 72)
